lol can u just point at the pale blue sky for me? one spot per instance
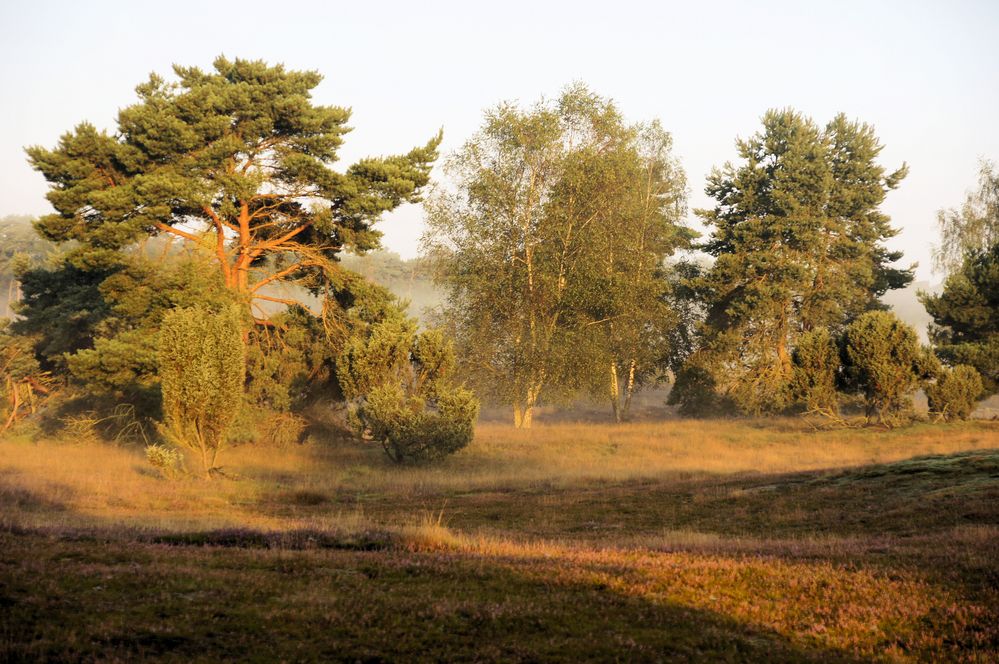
(926, 74)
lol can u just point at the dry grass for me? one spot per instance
(683, 540)
(116, 483)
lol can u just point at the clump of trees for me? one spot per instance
(552, 246)
(878, 360)
(798, 241)
(198, 272)
(216, 192)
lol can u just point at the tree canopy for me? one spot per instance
(798, 240)
(238, 160)
(965, 328)
(974, 227)
(560, 216)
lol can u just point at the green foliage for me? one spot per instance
(883, 361)
(816, 366)
(202, 368)
(60, 308)
(292, 361)
(168, 461)
(237, 161)
(23, 383)
(954, 393)
(551, 247)
(696, 393)
(401, 383)
(381, 357)
(972, 229)
(798, 240)
(138, 296)
(288, 361)
(965, 327)
(412, 433)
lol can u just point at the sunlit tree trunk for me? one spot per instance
(523, 409)
(615, 392)
(621, 394)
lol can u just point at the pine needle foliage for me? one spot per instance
(202, 362)
(884, 362)
(403, 391)
(237, 160)
(954, 394)
(965, 327)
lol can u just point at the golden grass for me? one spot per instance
(77, 481)
(695, 525)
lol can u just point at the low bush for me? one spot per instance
(954, 394)
(403, 395)
(884, 363)
(416, 430)
(168, 461)
(816, 364)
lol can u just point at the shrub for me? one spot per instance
(955, 392)
(400, 383)
(165, 459)
(414, 430)
(883, 361)
(119, 424)
(258, 425)
(815, 366)
(202, 371)
(696, 393)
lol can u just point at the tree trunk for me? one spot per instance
(523, 415)
(15, 404)
(615, 393)
(528, 418)
(10, 297)
(523, 410)
(629, 390)
(621, 399)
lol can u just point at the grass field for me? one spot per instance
(678, 540)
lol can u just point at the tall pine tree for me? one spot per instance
(238, 161)
(798, 240)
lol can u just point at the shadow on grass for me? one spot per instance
(115, 593)
(119, 601)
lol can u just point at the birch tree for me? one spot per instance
(532, 244)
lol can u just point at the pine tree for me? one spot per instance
(798, 240)
(238, 161)
(965, 327)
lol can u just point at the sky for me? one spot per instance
(925, 74)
